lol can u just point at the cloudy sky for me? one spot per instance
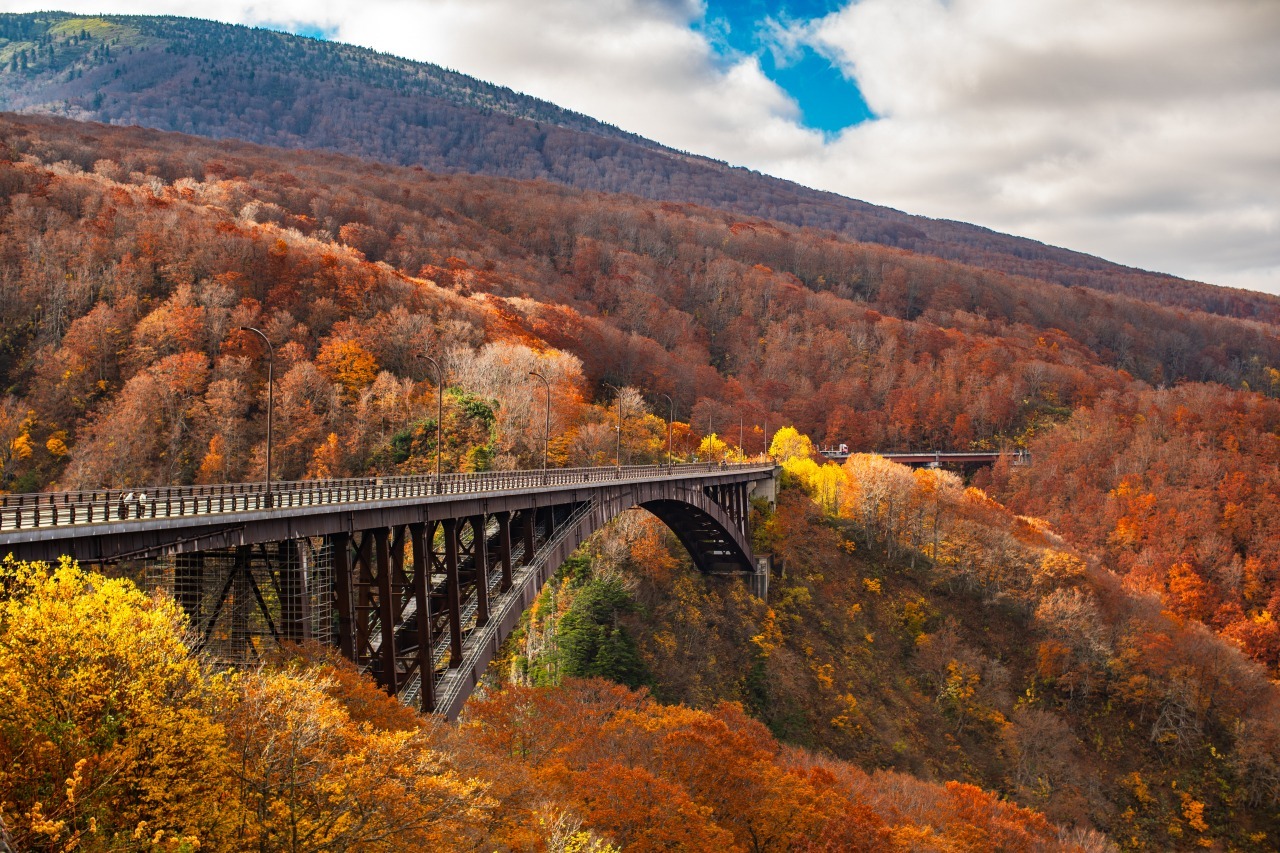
(1144, 131)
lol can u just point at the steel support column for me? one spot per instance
(240, 591)
(528, 518)
(480, 564)
(188, 584)
(421, 591)
(386, 610)
(364, 588)
(504, 549)
(340, 543)
(452, 587)
(293, 592)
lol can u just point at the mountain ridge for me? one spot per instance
(231, 81)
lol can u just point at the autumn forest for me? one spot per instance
(1079, 653)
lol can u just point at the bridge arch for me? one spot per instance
(716, 538)
(711, 523)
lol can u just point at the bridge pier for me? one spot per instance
(422, 561)
(340, 546)
(479, 554)
(188, 584)
(452, 584)
(504, 549)
(385, 610)
(292, 571)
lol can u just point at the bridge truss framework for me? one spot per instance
(417, 580)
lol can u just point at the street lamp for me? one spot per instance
(670, 419)
(546, 434)
(618, 453)
(439, 411)
(271, 393)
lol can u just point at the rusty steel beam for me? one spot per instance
(453, 590)
(421, 592)
(504, 549)
(340, 543)
(480, 566)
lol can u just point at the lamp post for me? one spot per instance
(546, 434)
(670, 418)
(271, 394)
(439, 411)
(618, 453)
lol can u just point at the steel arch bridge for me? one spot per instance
(418, 580)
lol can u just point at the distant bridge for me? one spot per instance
(418, 580)
(936, 458)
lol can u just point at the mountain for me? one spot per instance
(1090, 636)
(128, 256)
(224, 81)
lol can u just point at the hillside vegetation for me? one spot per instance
(1093, 668)
(224, 81)
(130, 258)
(920, 627)
(114, 737)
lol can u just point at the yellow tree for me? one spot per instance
(877, 497)
(106, 733)
(310, 776)
(788, 443)
(712, 448)
(15, 432)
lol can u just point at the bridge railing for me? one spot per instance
(55, 509)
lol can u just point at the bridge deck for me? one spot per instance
(116, 523)
(938, 457)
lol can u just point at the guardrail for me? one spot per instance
(909, 456)
(57, 509)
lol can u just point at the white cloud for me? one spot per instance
(1143, 131)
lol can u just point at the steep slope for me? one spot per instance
(924, 629)
(919, 626)
(233, 82)
(152, 750)
(129, 230)
(129, 257)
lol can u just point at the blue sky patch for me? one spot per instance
(828, 100)
(307, 30)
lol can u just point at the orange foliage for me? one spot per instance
(348, 364)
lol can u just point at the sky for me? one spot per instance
(1143, 131)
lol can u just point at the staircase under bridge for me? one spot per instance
(418, 580)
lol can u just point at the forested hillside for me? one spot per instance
(224, 81)
(919, 625)
(1090, 669)
(130, 258)
(153, 752)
